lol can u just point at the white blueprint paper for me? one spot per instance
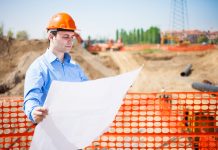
(79, 112)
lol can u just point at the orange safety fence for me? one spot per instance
(191, 47)
(145, 121)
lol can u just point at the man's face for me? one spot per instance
(63, 41)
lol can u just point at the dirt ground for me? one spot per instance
(161, 68)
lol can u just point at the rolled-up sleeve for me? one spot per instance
(32, 89)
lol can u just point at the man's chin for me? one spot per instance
(68, 49)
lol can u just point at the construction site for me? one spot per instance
(172, 105)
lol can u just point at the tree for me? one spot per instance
(1, 30)
(152, 35)
(215, 41)
(141, 35)
(117, 35)
(10, 34)
(22, 35)
(202, 39)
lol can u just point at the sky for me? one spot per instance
(101, 18)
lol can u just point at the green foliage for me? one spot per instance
(89, 37)
(152, 35)
(215, 41)
(117, 35)
(22, 35)
(202, 39)
(10, 34)
(1, 30)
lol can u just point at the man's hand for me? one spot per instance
(39, 113)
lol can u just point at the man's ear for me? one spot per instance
(50, 36)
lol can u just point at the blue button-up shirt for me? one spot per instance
(42, 72)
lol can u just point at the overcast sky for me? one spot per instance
(101, 18)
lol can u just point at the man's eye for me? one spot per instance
(66, 37)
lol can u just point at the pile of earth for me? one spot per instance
(161, 68)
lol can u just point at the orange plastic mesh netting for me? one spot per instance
(145, 121)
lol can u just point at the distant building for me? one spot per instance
(188, 35)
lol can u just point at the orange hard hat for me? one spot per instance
(61, 21)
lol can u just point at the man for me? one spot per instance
(54, 64)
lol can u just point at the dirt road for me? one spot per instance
(162, 70)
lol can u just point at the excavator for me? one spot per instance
(96, 47)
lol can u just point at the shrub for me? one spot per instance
(10, 34)
(1, 30)
(22, 35)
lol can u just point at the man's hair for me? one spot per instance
(53, 32)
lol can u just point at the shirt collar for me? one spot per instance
(50, 56)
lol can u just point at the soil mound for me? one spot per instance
(161, 68)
